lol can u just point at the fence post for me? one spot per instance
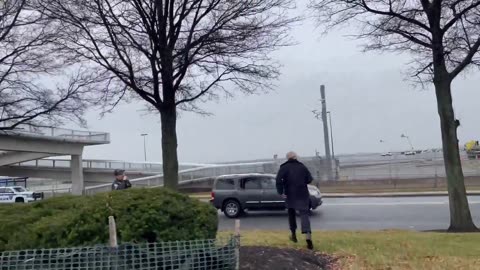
(112, 230)
(237, 244)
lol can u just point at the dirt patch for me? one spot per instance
(257, 258)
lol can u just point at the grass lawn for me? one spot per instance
(385, 249)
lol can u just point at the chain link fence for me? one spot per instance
(182, 255)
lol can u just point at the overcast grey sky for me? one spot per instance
(367, 93)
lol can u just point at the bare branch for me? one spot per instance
(28, 57)
(467, 60)
(458, 15)
(161, 48)
(414, 27)
(392, 13)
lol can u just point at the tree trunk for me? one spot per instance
(460, 216)
(169, 147)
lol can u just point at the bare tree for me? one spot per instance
(27, 61)
(444, 38)
(174, 53)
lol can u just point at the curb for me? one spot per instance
(374, 195)
(392, 194)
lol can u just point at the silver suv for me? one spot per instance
(235, 193)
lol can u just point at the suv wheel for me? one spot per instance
(232, 209)
(19, 200)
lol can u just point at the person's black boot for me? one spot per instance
(310, 244)
(293, 237)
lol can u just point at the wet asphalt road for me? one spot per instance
(410, 213)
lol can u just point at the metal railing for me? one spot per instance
(95, 164)
(153, 167)
(398, 172)
(413, 169)
(54, 192)
(193, 174)
(419, 169)
(62, 133)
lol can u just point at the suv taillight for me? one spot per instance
(212, 196)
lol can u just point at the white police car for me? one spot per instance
(18, 194)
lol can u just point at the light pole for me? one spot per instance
(384, 148)
(144, 135)
(383, 142)
(329, 114)
(408, 139)
(333, 149)
(390, 154)
(318, 116)
(331, 133)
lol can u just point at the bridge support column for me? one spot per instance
(78, 183)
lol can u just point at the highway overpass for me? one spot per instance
(27, 142)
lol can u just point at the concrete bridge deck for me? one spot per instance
(27, 142)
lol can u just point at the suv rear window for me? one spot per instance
(225, 184)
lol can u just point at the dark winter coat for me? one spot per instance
(292, 180)
(119, 185)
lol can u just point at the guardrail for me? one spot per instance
(88, 136)
(149, 181)
(49, 193)
(187, 170)
(440, 174)
(95, 164)
(153, 167)
(193, 174)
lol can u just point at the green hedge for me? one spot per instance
(142, 215)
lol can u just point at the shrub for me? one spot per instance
(17, 220)
(142, 215)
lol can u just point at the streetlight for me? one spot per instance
(331, 133)
(408, 139)
(144, 135)
(390, 154)
(318, 116)
(385, 142)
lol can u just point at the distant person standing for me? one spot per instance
(121, 180)
(292, 180)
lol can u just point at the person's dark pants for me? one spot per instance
(305, 220)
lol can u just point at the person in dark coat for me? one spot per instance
(121, 180)
(292, 182)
